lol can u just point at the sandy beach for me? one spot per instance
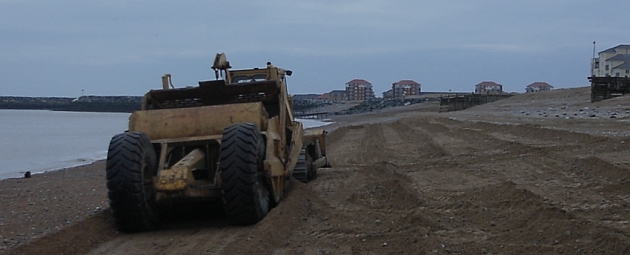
(540, 173)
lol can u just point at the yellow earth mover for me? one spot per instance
(233, 138)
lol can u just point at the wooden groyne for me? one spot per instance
(311, 115)
(603, 88)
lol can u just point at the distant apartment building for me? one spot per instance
(538, 86)
(325, 96)
(337, 95)
(306, 96)
(405, 88)
(359, 89)
(488, 87)
(613, 62)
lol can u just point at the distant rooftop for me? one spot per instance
(406, 82)
(618, 47)
(539, 84)
(488, 83)
(359, 81)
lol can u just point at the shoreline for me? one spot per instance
(46, 171)
(62, 165)
(62, 197)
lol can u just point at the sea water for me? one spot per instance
(40, 141)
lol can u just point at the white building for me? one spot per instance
(538, 86)
(613, 62)
(488, 87)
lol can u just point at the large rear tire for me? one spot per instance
(131, 166)
(245, 193)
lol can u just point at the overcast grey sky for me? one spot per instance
(64, 47)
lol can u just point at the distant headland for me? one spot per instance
(80, 104)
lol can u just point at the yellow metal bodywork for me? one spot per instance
(296, 145)
(196, 121)
(274, 142)
(277, 165)
(316, 136)
(179, 177)
(316, 141)
(185, 126)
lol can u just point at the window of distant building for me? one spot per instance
(606, 67)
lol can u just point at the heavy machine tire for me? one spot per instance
(131, 166)
(312, 173)
(304, 170)
(244, 187)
